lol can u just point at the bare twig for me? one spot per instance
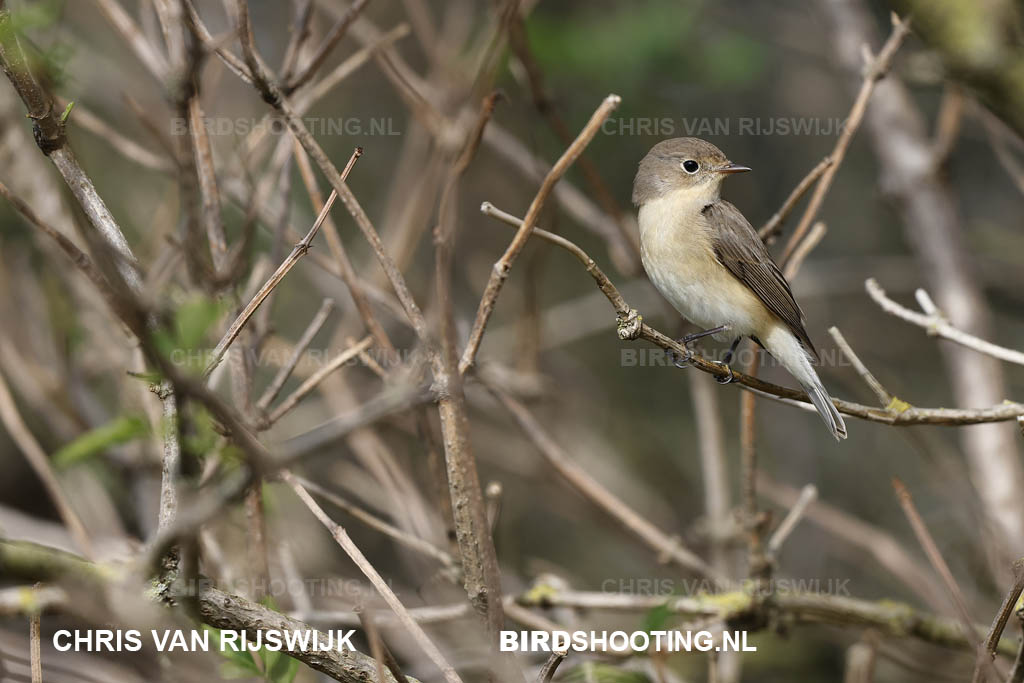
(884, 397)
(316, 378)
(995, 633)
(502, 267)
(347, 273)
(379, 649)
(875, 71)
(808, 494)
(40, 464)
(418, 544)
(339, 534)
(660, 542)
(145, 51)
(297, 253)
(202, 154)
(35, 641)
(330, 41)
(276, 384)
(482, 577)
(935, 557)
(888, 617)
(547, 672)
(773, 226)
(937, 325)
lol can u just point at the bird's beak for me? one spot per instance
(732, 168)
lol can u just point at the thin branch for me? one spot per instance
(276, 384)
(414, 542)
(40, 463)
(316, 378)
(297, 253)
(888, 617)
(330, 41)
(345, 269)
(876, 70)
(937, 325)
(577, 477)
(339, 534)
(481, 574)
(935, 557)
(202, 154)
(547, 672)
(145, 51)
(502, 267)
(35, 641)
(773, 226)
(631, 326)
(803, 250)
(995, 633)
(808, 494)
(884, 397)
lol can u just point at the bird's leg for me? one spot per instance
(689, 339)
(724, 363)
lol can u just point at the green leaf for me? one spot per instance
(118, 431)
(239, 664)
(193, 319)
(597, 672)
(280, 668)
(657, 619)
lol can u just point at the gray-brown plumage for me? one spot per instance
(707, 260)
(740, 249)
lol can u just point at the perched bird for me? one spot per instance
(707, 260)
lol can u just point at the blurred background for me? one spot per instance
(771, 84)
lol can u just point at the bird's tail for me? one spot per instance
(782, 344)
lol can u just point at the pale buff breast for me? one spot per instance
(675, 246)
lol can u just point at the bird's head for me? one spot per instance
(682, 163)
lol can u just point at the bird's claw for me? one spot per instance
(681, 362)
(727, 379)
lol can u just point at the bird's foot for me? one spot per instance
(687, 340)
(681, 362)
(725, 379)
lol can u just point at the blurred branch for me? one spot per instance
(276, 384)
(375, 578)
(418, 544)
(995, 633)
(875, 71)
(631, 326)
(48, 130)
(502, 267)
(356, 288)
(926, 203)
(40, 464)
(884, 397)
(520, 44)
(316, 378)
(980, 45)
(330, 41)
(773, 226)
(145, 51)
(889, 618)
(668, 546)
(937, 325)
(297, 253)
(935, 557)
(482, 576)
(808, 494)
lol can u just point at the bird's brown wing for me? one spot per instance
(738, 247)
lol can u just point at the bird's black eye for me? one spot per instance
(690, 166)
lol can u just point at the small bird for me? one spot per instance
(708, 261)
